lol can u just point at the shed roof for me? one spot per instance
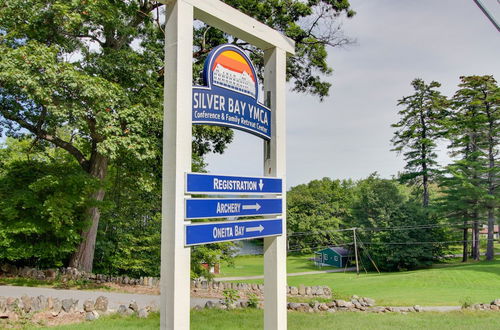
(343, 252)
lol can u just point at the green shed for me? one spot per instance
(332, 256)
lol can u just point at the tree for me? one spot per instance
(473, 132)
(397, 233)
(42, 199)
(418, 131)
(315, 211)
(94, 67)
(461, 200)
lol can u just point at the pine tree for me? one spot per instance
(418, 130)
(473, 131)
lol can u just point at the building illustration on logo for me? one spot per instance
(229, 96)
(231, 70)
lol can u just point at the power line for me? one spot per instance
(487, 14)
(427, 226)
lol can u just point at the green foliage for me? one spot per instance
(41, 210)
(319, 207)
(253, 300)
(231, 296)
(405, 231)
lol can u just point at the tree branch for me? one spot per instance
(43, 134)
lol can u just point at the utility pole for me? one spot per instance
(355, 250)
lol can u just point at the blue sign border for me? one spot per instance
(206, 208)
(203, 183)
(215, 117)
(202, 233)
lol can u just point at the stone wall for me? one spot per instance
(198, 286)
(27, 307)
(215, 287)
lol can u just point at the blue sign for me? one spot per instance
(213, 232)
(200, 183)
(202, 208)
(229, 97)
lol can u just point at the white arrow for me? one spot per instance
(255, 207)
(261, 184)
(260, 228)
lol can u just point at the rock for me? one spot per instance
(143, 313)
(197, 308)
(331, 310)
(36, 305)
(3, 304)
(12, 304)
(56, 306)
(293, 306)
(331, 304)
(43, 303)
(327, 291)
(308, 291)
(496, 302)
(27, 303)
(355, 297)
(417, 308)
(302, 290)
(66, 305)
(210, 304)
(243, 304)
(357, 305)
(50, 274)
(133, 306)
(220, 305)
(101, 304)
(494, 307)
(88, 305)
(341, 303)
(91, 316)
(323, 307)
(369, 302)
(122, 310)
(349, 305)
(294, 291)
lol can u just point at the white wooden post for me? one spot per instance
(275, 312)
(175, 257)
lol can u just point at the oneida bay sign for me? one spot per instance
(230, 95)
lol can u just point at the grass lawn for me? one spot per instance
(253, 319)
(254, 265)
(441, 285)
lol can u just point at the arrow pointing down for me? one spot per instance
(261, 184)
(255, 207)
(260, 228)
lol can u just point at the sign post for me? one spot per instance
(229, 98)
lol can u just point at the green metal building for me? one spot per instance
(332, 256)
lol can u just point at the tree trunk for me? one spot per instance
(475, 247)
(465, 242)
(490, 244)
(83, 258)
(490, 253)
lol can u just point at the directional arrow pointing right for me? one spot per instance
(255, 207)
(260, 228)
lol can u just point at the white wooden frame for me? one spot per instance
(175, 257)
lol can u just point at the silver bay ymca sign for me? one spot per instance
(229, 97)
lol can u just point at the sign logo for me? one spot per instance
(230, 95)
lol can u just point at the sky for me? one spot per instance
(348, 134)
